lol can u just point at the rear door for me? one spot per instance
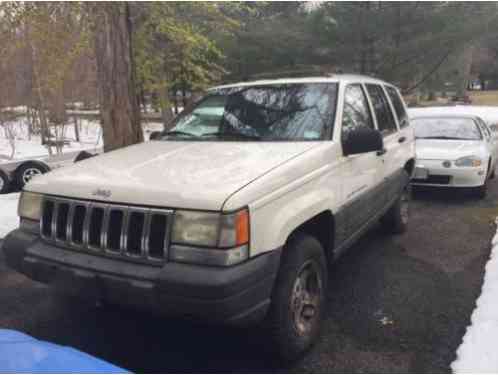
(393, 141)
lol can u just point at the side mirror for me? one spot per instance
(362, 140)
(155, 135)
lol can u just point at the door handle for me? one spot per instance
(402, 139)
(381, 152)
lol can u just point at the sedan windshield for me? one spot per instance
(446, 128)
(260, 113)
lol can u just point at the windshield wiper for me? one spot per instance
(231, 134)
(179, 132)
(445, 137)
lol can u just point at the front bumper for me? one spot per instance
(438, 175)
(236, 295)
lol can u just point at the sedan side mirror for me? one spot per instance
(362, 140)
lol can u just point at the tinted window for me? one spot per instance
(385, 118)
(398, 106)
(446, 128)
(259, 113)
(356, 113)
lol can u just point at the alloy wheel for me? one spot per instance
(306, 298)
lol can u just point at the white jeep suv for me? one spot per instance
(234, 214)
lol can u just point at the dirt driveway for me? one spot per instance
(396, 304)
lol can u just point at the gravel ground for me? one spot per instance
(396, 304)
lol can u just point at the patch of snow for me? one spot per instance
(90, 138)
(487, 113)
(477, 353)
(8, 213)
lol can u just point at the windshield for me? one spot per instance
(258, 113)
(446, 128)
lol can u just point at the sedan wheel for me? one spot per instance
(27, 171)
(29, 174)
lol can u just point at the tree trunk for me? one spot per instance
(76, 129)
(465, 67)
(166, 114)
(120, 115)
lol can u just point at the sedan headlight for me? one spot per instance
(30, 206)
(210, 238)
(469, 161)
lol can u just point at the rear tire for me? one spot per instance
(298, 298)
(395, 220)
(4, 182)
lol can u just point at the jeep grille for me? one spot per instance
(128, 232)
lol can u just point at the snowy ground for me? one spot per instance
(90, 138)
(8, 213)
(477, 353)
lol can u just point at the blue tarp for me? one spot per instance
(23, 353)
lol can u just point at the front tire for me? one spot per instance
(298, 298)
(482, 191)
(396, 219)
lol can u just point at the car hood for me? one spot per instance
(177, 174)
(446, 149)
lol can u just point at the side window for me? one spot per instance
(485, 129)
(385, 118)
(398, 106)
(356, 113)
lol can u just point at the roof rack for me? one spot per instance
(292, 73)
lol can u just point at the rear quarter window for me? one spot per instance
(398, 106)
(382, 110)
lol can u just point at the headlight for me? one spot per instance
(210, 238)
(196, 228)
(469, 161)
(30, 205)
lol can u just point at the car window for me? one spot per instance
(446, 128)
(385, 118)
(484, 128)
(398, 106)
(356, 113)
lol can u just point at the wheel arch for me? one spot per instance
(322, 227)
(37, 163)
(410, 167)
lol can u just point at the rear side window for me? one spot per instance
(398, 106)
(385, 118)
(484, 128)
(356, 113)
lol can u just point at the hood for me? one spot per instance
(196, 175)
(446, 149)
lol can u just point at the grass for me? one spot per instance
(477, 97)
(484, 97)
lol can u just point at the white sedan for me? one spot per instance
(453, 150)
